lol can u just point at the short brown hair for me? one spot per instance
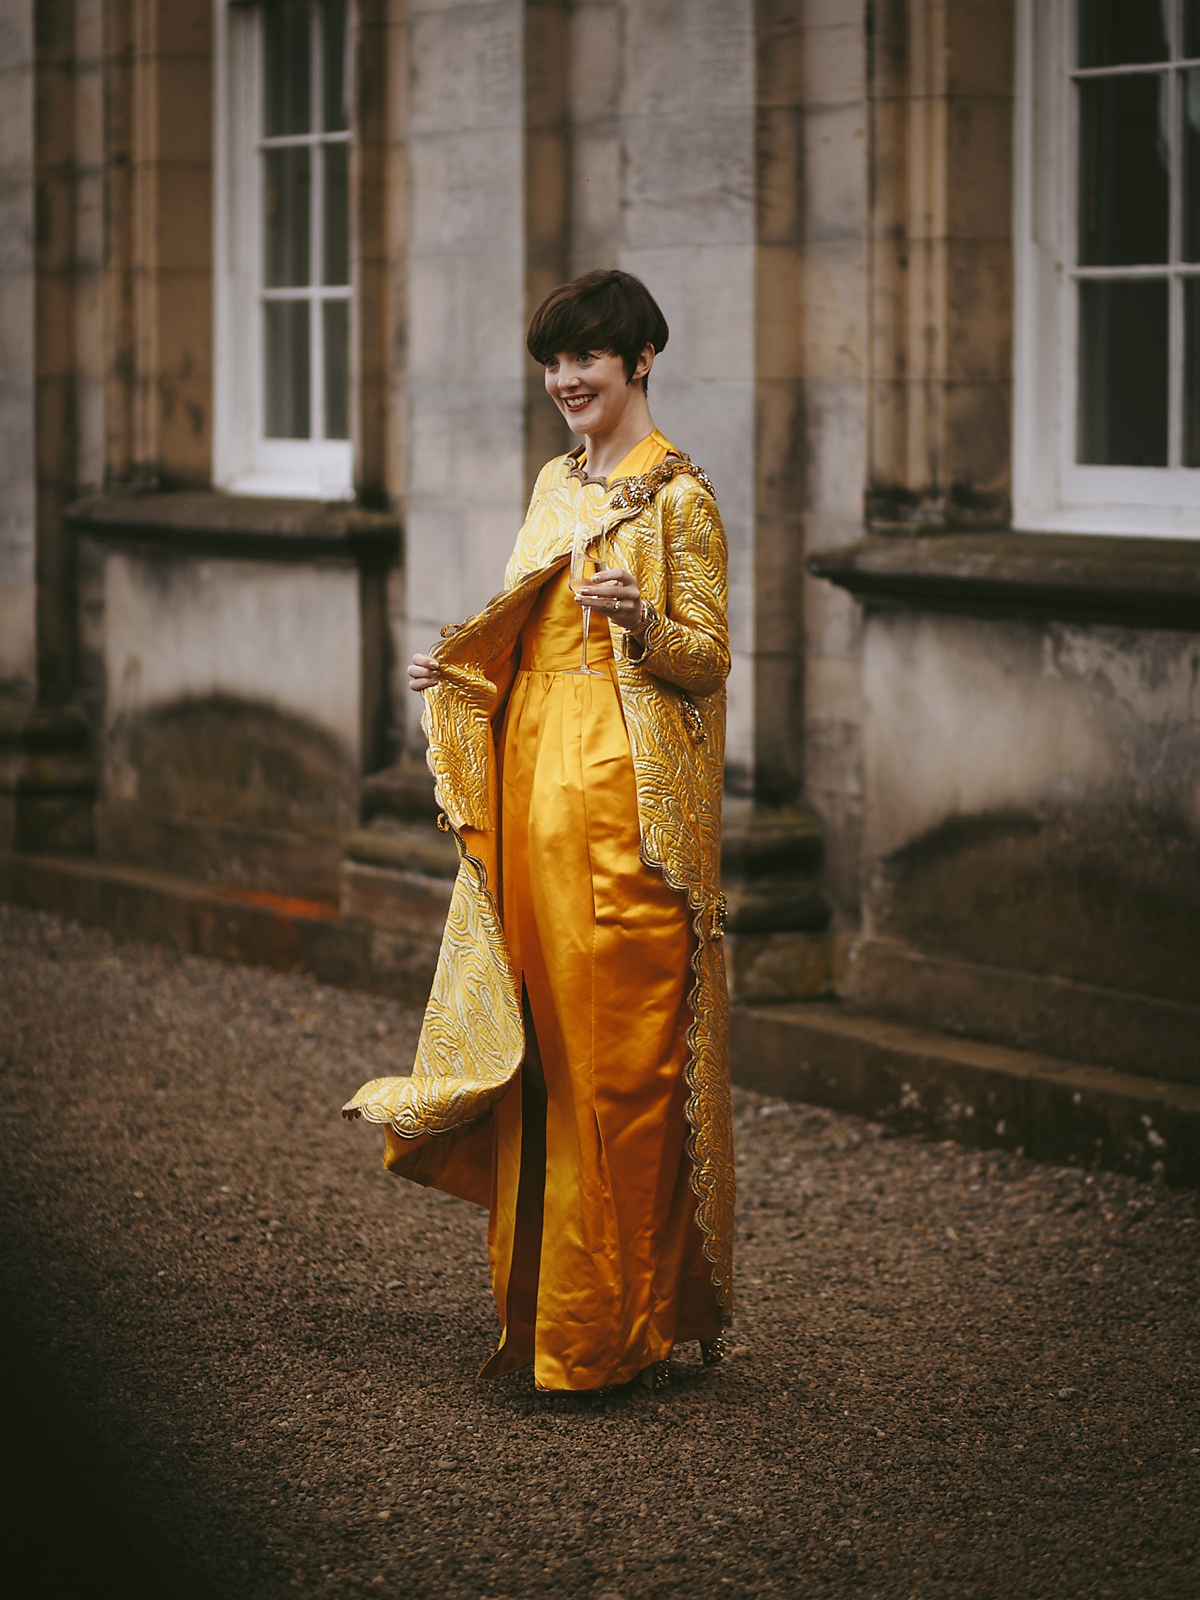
(608, 311)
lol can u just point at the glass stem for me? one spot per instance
(587, 618)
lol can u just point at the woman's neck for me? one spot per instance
(606, 451)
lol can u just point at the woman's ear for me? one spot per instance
(644, 362)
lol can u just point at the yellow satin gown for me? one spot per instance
(607, 1271)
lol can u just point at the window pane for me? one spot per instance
(334, 111)
(1189, 85)
(286, 356)
(286, 201)
(1191, 30)
(287, 68)
(336, 315)
(1191, 372)
(337, 214)
(1124, 195)
(1115, 33)
(1123, 373)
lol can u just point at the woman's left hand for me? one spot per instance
(615, 593)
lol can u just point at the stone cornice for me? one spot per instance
(1082, 577)
(244, 527)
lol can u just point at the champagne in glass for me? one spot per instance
(584, 567)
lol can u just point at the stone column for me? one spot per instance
(171, 179)
(685, 129)
(466, 310)
(45, 776)
(941, 265)
(685, 112)
(548, 83)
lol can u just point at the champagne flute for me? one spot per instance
(584, 567)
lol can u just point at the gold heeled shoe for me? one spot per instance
(656, 1376)
(713, 1351)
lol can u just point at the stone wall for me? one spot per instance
(718, 151)
(817, 192)
(1033, 833)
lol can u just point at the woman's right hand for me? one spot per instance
(423, 673)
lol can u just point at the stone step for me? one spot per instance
(253, 926)
(945, 1086)
(384, 938)
(403, 846)
(403, 791)
(1144, 1034)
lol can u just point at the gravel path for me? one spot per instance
(240, 1358)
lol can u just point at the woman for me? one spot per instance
(572, 1072)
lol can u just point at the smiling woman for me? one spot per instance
(572, 1073)
(597, 339)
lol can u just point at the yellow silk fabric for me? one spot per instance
(612, 1275)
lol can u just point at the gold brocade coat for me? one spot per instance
(664, 527)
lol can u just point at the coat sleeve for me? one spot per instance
(689, 646)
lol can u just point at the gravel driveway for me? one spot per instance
(240, 1358)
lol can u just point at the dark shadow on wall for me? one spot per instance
(1107, 897)
(236, 761)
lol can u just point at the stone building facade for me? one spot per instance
(268, 423)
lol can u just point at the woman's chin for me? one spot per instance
(580, 421)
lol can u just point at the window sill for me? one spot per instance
(247, 528)
(1072, 577)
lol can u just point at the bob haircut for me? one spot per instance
(607, 311)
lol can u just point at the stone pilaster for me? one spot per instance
(548, 80)
(466, 379)
(686, 124)
(941, 264)
(45, 773)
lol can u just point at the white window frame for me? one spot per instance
(244, 460)
(1051, 491)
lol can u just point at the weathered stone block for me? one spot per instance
(184, 111)
(1137, 1033)
(835, 170)
(400, 902)
(766, 968)
(917, 1081)
(211, 850)
(466, 62)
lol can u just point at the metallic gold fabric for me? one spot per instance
(664, 527)
(608, 1273)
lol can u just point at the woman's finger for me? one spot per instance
(610, 589)
(423, 673)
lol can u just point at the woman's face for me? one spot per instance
(591, 390)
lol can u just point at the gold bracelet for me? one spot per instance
(649, 617)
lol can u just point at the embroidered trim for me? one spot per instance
(636, 493)
(575, 470)
(692, 719)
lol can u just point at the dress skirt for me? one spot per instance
(607, 1270)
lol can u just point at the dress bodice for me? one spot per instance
(552, 638)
